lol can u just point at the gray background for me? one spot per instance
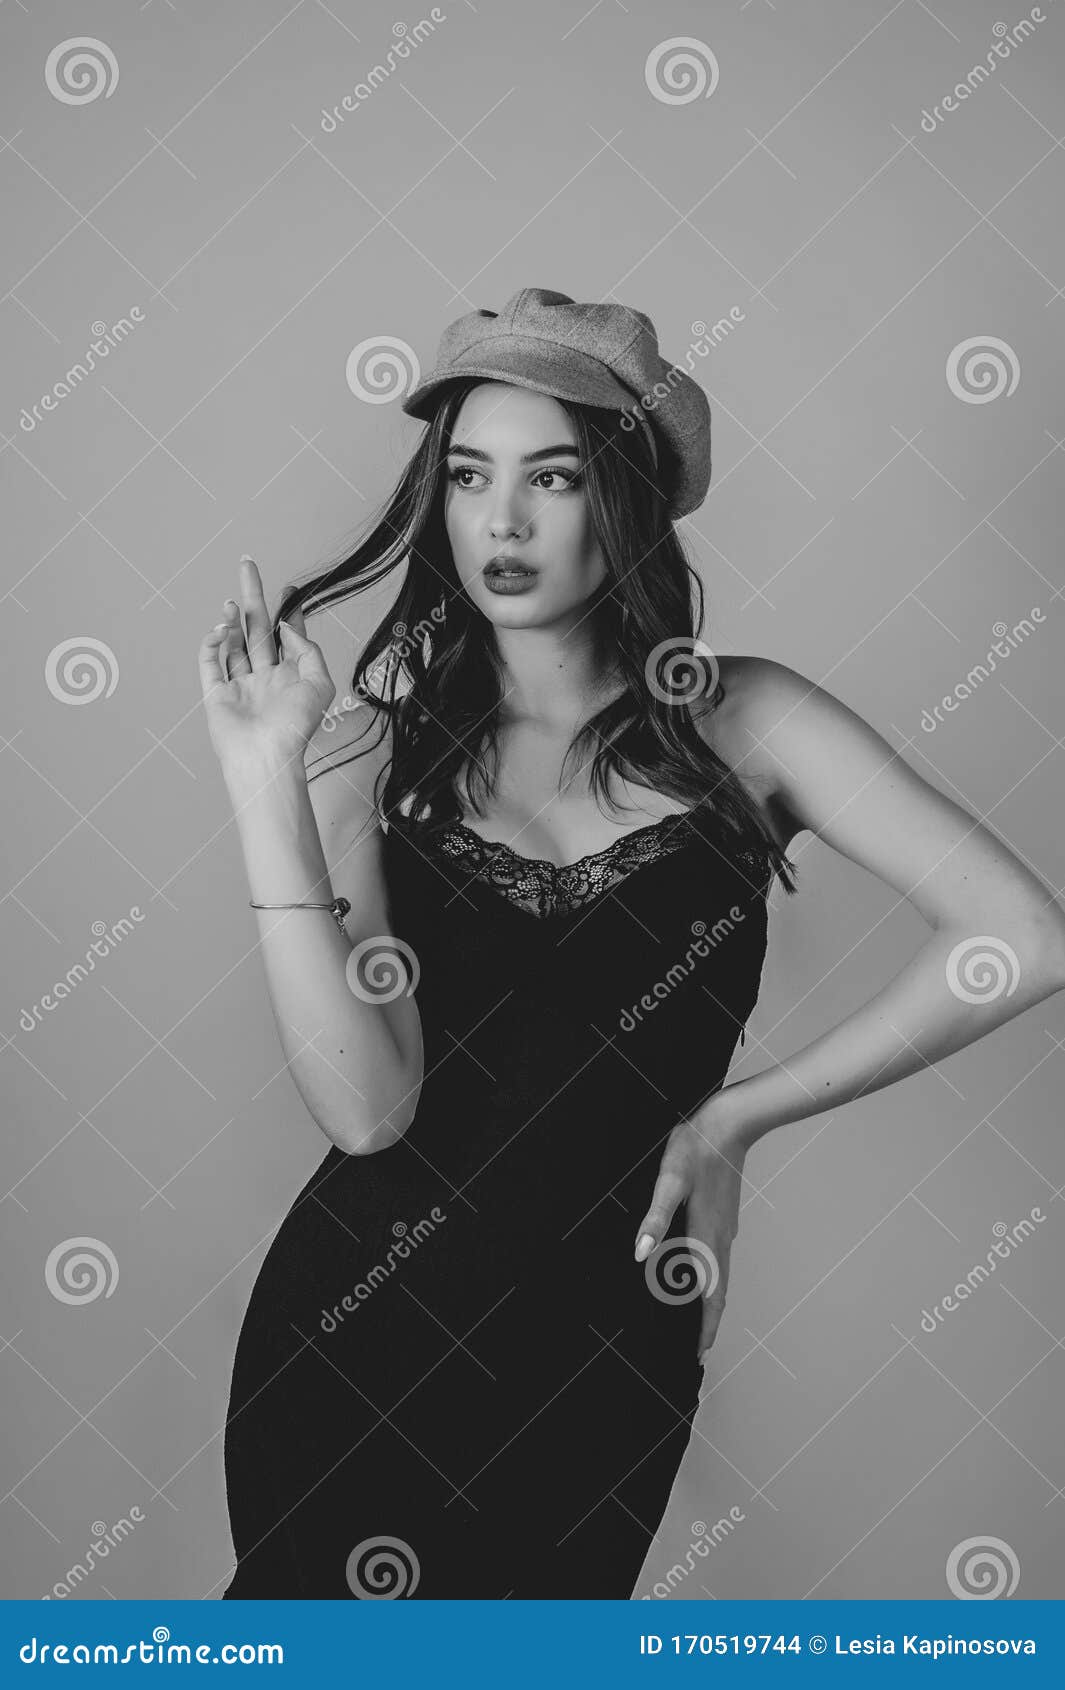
(868, 525)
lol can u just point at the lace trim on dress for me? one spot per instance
(545, 888)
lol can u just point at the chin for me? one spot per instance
(511, 613)
(516, 610)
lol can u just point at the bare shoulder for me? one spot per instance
(753, 728)
(759, 693)
(823, 767)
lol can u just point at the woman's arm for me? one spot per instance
(313, 833)
(998, 944)
(997, 947)
(352, 1044)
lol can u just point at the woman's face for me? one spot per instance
(516, 486)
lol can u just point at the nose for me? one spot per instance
(509, 518)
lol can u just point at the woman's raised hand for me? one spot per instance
(263, 709)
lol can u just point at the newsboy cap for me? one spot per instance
(604, 355)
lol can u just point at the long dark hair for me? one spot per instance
(445, 719)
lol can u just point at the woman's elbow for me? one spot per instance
(383, 1133)
(1011, 951)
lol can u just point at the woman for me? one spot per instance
(545, 830)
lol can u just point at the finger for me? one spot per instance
(711, 1213)
(306, 655)
(236, 651)
(669, 1189)
(260, 640)
(211, 672)
(714, 1303)
(295, 620)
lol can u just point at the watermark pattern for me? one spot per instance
(1006, 640)
(404, 44)
(81, 1269)
(382, 968)
(407, 1241)
(680, 70)
(681, 1269)
(402, 645)
(381, 369)
(675, 976)
(702, 346)
(982, 1569)
(90, 670)
(980, 969)
(1007, 1240)
(106, 336)
(982, 368)
(674, 673)
(101, 946)
(1006, 39)
(382, 1569)
(105, 1538)
(701, 1543)
(80, 70)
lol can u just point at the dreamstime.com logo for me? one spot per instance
(707, 339)
(382, 968)
(79, 1270)
(144, 1653)
(107, 336)
(680, 70)
(1006, 39)
(983, 968)
(382, 368)
(702, 1541)
(403, 643)
(681, 1269)
(104, 1539)
(680, 670)
(80, 70)
(405, 43)
(982, 368)
(982, 1569)
(701, 947)
(382, 1569)
(89, 670)
(408, 1240)
(1007, 1240)
(1006, 640)
(105, 940)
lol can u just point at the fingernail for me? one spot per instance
(644, 1247)
(244, 558)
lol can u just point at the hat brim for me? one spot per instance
(526, 362)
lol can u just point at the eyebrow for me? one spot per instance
(529, 458)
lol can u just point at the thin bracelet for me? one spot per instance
(340, 908)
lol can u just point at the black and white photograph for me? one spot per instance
(533, 747)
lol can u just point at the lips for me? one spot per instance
(509, 568)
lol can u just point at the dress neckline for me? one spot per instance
(535, 886)
(679, 817)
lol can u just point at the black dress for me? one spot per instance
(453, 1379)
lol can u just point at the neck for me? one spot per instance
(555, 675)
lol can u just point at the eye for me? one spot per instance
(461, 469)
(567, 477)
